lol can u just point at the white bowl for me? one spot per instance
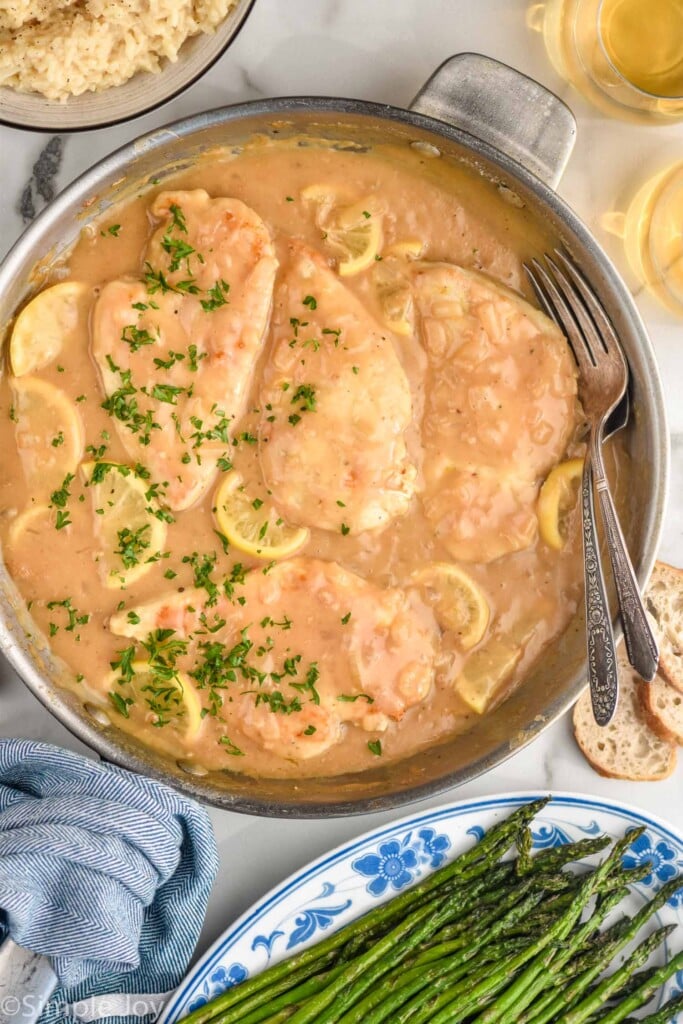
(140, 94)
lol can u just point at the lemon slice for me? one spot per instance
(128, 532)
(557, 496)
(254, 526)
(394, 295)
(409, 249)
(49, 433)
(28, 525)
(485, 672)
(355, 234)
(48, 322)
(459, 603)
(159, 698)
(322, 194)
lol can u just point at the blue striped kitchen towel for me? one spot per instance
(105, 872)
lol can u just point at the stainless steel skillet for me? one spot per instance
(516, 135)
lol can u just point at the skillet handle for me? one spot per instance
(504, 108)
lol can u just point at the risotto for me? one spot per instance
(63, 48)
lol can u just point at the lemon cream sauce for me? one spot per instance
(274, 438)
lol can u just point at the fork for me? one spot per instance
(603, 382)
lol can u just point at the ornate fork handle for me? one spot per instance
(641, 645)
(602, 659)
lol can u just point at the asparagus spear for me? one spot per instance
(551, 965)
(559, 856)
(665, 1014)
(362, 972)
(284, 998)
(380, 1004)
(481, 993)
(620, 937)
(364, 1012)
(473, 863)
(638, 998)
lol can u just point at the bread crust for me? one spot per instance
(587, 734)
(670, 664)
(652, 715)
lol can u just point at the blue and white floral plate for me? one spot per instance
(353, 878)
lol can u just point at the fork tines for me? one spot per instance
(568, 299)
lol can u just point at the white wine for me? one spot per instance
(652, 232)
(625, 56)
(644, 41)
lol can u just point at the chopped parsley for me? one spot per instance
(166, 364)
(305, 393)
(311, 302)
(75, 618)
(230, 747)
(308, 685)
(132, 545)
(202, 568)
(178, 250)
(194, 357)
(123, 406)
(178, 218)
(62, 519)
(375, 747)
(167, 393)
(58, 501)
(218, 296)
(136, 337)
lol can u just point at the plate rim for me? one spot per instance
(490, 802)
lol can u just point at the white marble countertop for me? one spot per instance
(379, 50)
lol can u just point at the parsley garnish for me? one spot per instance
(218, 296)
(202, 568)
(58, 500)
(308, 685)
(375, 747)
(305, 393)
(74, 617)
(177, 218)
(136, 337)
(230, 747)
(132, 544)
(166, 393)
(178, 250)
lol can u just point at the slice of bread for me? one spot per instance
(663, 709)
(664, 601)
(627, 748)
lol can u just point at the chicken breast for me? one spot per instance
(369, 651)
(334, 407)
(176, 352)
(499, 412)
